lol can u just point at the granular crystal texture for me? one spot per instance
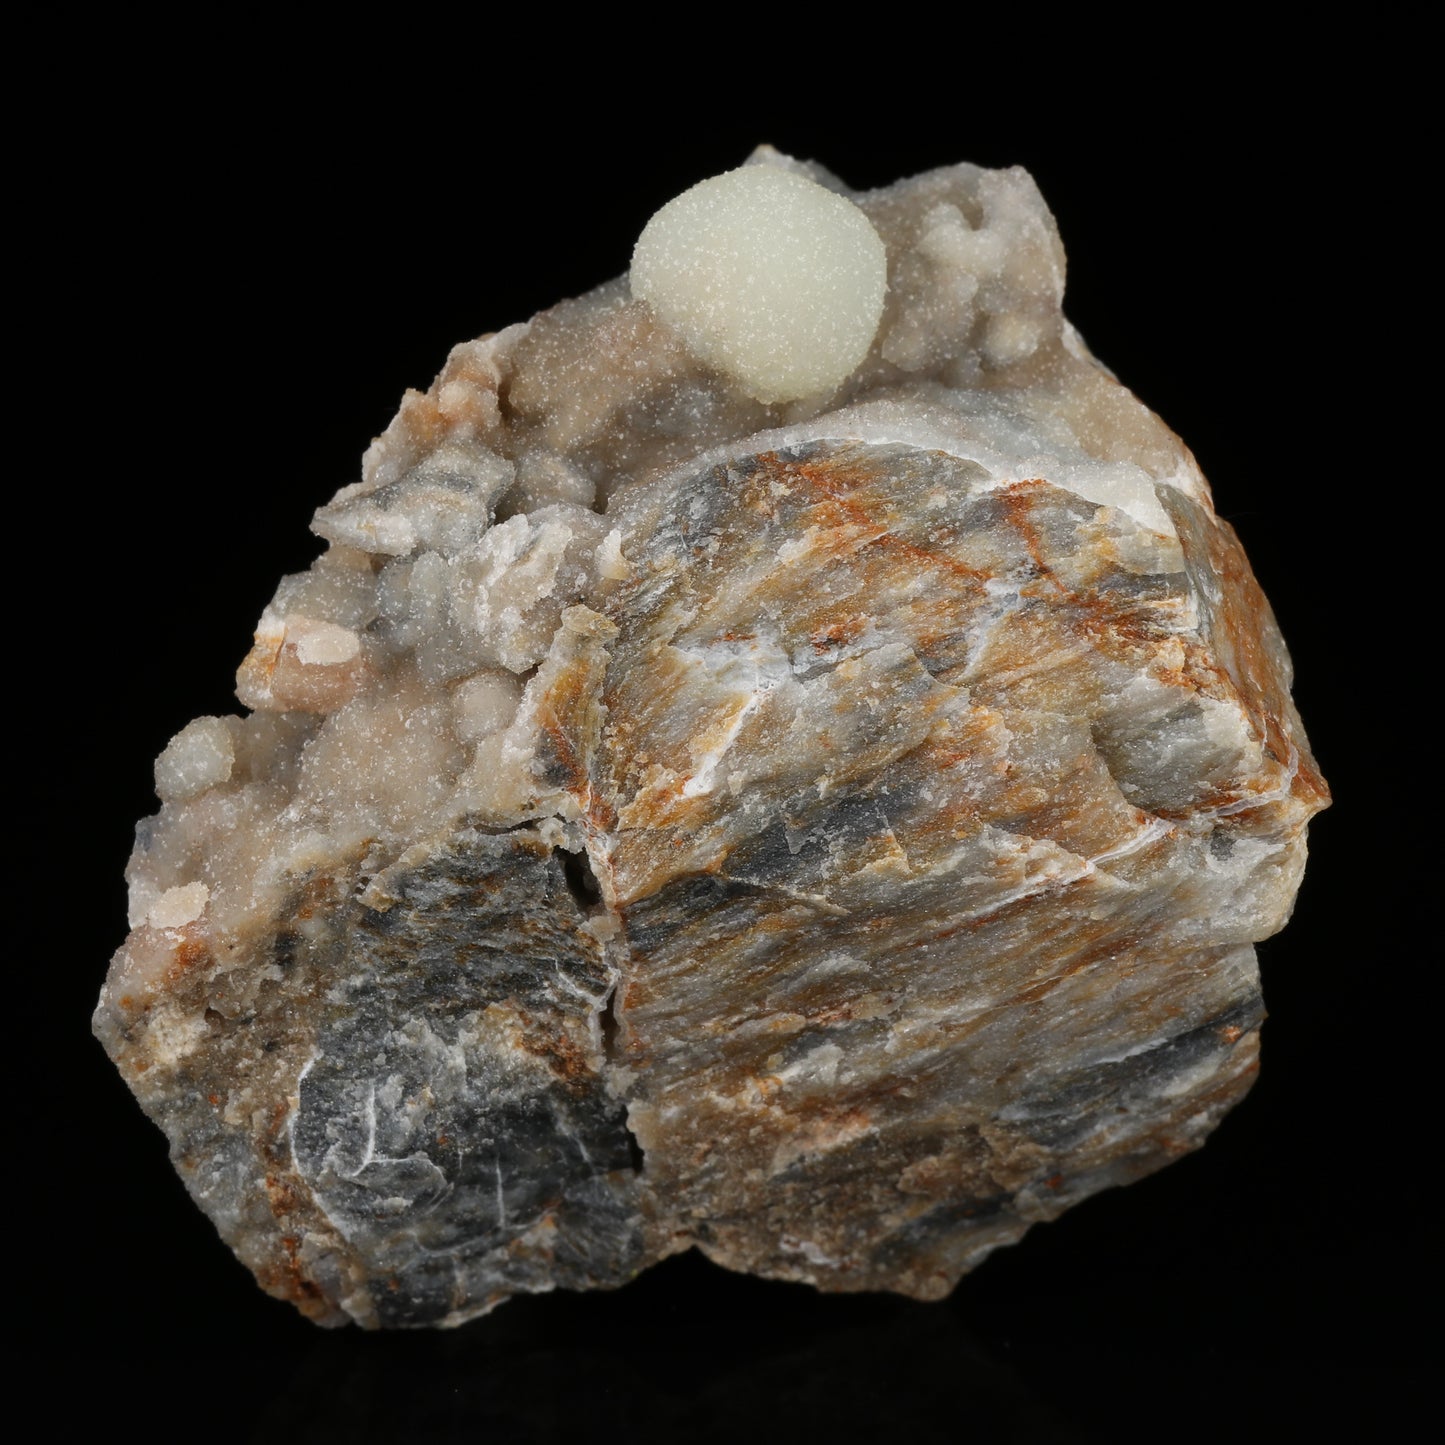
(829, 833)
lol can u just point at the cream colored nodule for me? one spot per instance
(769, 277)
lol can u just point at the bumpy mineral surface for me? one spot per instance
(825, 830)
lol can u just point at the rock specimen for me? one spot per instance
(800, 781)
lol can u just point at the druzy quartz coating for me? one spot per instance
(799, 781)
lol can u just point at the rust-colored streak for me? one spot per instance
(569, 718)
(838, 633)
(1096, 618)
(563, 1054)
(280, 1119)
(189, 953)
(1309, 786)
(840, 515)
(286, 1278)
(556, 716)
(282, 1194)
(1109, 948)
(1017, 501)
(1248, 640)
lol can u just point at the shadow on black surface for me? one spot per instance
(690, 1353)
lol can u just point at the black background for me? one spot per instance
(240, 286)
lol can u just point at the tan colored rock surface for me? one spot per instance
(829, 833)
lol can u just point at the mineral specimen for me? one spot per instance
(767, 762)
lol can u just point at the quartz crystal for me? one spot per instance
(795, 773)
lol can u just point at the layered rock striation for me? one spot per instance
(828, 832)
